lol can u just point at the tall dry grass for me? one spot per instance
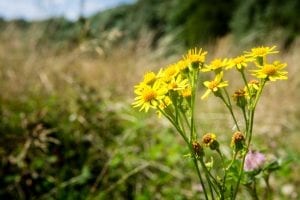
(27, 66)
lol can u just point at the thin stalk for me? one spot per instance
(185, 118)
(225, 173)
(245, 118)
(214, 184)
(252, 191)
(182, 133)
(193, 97)
(199, 174)
(249, 134)
(229, 106)
(244, 79)
(268, 189)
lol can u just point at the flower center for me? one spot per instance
(208, 138)
(269, 70)
(149, 95)
(260, 52)
(187, 92)
(217, 63)
(239, 60)
(173, 85)
(212, 85)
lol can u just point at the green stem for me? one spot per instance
(252, 191)
(193, 97)
(245, 118)
(249, 134)
(185, 118)
(199, 174)
(182, 133)
(229, 106)
(208, 175)
(244, 79)
(215, 183)
(268, 189)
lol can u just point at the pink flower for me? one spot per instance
(254, 160)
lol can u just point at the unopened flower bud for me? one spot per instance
(238, 141)
(239, 98)
(198, 149)
(251, 89)
(210, 140)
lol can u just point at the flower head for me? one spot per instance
(149, 78)
(254, 160)
(261, 51)
(187, 92)
(216, 65)
(178, 83)
(214, 85)
(239, 62)
(195, 57)
(239, 97)
(237, 141)
(165, 102)
(149, 96)
(198, 149)
(183, 65)
(251, 89)
(169, 73)
(271, 72)
(210, 140)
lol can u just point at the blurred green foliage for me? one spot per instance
(86, 147)
(202, 21)
(260, 18)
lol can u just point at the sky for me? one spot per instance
(42, 9)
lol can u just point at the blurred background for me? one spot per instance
(67, 71)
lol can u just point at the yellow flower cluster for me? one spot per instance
(175, 84)
(172, 85)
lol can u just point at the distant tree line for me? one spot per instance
(192, 21)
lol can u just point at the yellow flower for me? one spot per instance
(253, 84)
(187, 92)
(260, 51)
(195, 57)
(239, 62)
(149, 78)
(177, 83)
(251, 89)
(216, 65)
(149, 96)
(214, 85)
(271, 72)
(165, 102)
(183, 65)
(169, 73)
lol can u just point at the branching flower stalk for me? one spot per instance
(173, 93)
